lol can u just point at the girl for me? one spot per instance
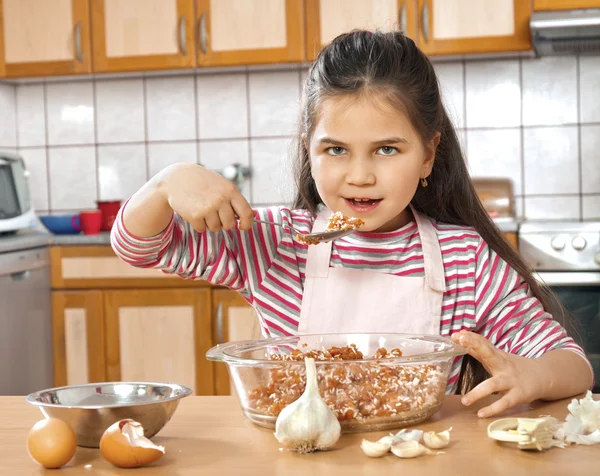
(375, 143)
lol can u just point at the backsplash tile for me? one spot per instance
(8, 127)
(551, 158)
(70, 113)
(171, 112)
(120, 111)
(493, 96)
(31, 115)
(107, 136)
(550, 91)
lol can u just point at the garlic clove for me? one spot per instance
(411, 449)
(308, 424)
(437, 440)
(409, 435)
(375, 449)
(388, 440)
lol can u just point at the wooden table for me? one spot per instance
(210, 436)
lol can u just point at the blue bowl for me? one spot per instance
(62, 224)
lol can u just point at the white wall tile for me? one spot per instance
(589, 76)
(550, 91)
(31, 115)
(120, 111)
(493, 94)
(70, 113)
(591, 207)
(452, 88)
(222, 106)
(8, 122)
(519, 207)
(171, 108)
(552, 208)
(273, 182)
(163, 154)
(496, 154)
(73, 184)
(36, 163)
(551, 156)
(590, 159)
(274, 102)
(121, 169)
(215, 155)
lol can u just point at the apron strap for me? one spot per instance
(432, 253)
(319, 256)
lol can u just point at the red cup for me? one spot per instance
(91, 222)
(109, 210)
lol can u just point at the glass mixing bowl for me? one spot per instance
(378, 389)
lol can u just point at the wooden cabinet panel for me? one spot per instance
(326, 19)
(159, 335)
(240, 32)
(78, 337)
(44, 37)
(137, 35)
(453, 27)
(564, 4)
(233, 320)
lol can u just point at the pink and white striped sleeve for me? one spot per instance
(508, 314)
(225, 258)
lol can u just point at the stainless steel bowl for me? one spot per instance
(90, 409)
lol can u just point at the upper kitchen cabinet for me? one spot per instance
(141, 35)
(564, 4)
(326, 19)
(461, 27)
(44, 37)
(243, 32)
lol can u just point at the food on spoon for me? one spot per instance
(124, 445)
(51, 442)
(337, 222)
(308, 424)
(361, 392)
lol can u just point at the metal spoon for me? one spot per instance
(312, 238)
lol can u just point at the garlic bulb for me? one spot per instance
(308, 424)
(437, 440)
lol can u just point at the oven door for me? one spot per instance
(579, 293)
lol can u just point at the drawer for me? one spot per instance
(93, 267)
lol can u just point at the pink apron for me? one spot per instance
(357, 301)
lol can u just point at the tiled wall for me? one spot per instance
(534, 121)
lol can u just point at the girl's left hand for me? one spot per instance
(518, 379)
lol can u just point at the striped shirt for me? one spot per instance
(266, 265)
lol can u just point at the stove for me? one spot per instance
(566, 257)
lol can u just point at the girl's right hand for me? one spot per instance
(205, 199)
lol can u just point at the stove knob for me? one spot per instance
(557, 243)
(578, 243)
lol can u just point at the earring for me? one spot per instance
(424, 182)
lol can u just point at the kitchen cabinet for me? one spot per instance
(159, 335)
(326, 19)
(233, 320)
(78, 337)
(233, 32)
(460, 27)
(139, 35)
(564, 4)
(44, 37)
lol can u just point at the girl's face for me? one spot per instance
(367, 160)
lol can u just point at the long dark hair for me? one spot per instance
(391, 64)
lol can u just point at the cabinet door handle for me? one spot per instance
(77, 35)
(220, 336)
(403, 18)
(202, 34)
(182, 40)
(425, 21)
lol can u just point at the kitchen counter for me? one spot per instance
(24, 240)
(210, 436)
